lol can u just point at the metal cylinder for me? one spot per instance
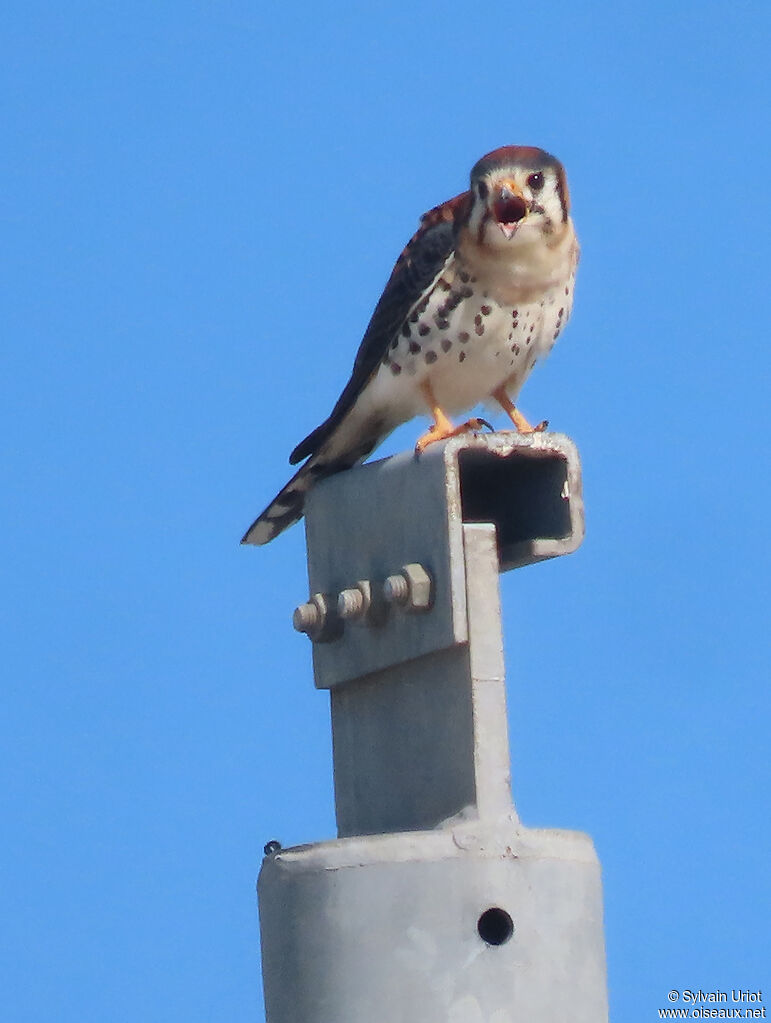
(467, 924)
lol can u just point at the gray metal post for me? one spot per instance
(435, 904)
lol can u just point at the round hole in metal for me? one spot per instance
(495, 926)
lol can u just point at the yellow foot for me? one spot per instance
(527, 428)
(443, 429)
(515, 415)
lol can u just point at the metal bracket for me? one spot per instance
(371, 529)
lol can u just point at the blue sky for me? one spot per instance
(200, 205)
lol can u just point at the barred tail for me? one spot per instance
(285, 509)
(288, 505)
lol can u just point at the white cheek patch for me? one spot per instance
(552, 204)
(548, 199)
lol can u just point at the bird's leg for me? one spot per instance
(515, 415)
(442, 428)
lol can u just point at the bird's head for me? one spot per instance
(519, 197)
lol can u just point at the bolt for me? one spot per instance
(306, 617)
(411, 588)
(351, 604)
(396, 590)
(319, 619)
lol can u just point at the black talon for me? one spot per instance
(479, 423)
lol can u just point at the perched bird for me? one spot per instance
(479, 294)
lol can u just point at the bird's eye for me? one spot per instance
(482, 189)
(536, 181)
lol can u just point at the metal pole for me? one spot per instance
(435, 903)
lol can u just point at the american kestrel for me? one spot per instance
(479, 294)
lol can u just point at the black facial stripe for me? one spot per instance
(562, 194)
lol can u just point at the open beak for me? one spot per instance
(509, 207)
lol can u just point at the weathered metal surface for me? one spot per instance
(486, 674)
(403, 746)
(420, 742)
(387, 928)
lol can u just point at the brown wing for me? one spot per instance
(421, 260)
